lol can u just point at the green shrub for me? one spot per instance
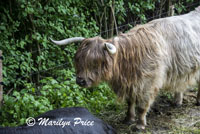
(53, 94)
(21, 105)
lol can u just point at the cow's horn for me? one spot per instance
(68, 41)
(111, 48)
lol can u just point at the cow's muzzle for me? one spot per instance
(81, 82)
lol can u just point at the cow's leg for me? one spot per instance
(142, 112)
(178, 98)
(130, 116)
(143, 108)
(198, 96)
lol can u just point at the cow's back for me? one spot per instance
(181, 49)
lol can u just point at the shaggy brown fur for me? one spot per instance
(162, 54)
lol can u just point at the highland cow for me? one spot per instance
(163, 54)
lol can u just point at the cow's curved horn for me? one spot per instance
(68, 41)
(111, 48)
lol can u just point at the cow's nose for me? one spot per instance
(80, 81)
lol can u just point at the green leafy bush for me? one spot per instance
(21, 105)
(53, 94)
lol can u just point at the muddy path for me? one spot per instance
(163, 118)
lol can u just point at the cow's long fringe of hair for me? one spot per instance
(137, 58)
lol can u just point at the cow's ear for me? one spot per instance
(110, 48)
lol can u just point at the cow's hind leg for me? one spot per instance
(130, 116)
(178, 98)
(198, 96)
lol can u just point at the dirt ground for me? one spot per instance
(163, 118)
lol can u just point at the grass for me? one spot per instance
(163, 118)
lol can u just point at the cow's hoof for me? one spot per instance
(139, 128)
(128, 121)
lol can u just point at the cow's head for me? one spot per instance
(93, 59)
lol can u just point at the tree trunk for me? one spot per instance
(112, 19)
(169, 7)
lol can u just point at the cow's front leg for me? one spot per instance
(178, 97)
(142, 112)
(130, 116)
(144, 105)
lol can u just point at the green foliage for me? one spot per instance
(182, 6)
(21, 105)
(24, 36)
(139, 8)
(53, 94)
